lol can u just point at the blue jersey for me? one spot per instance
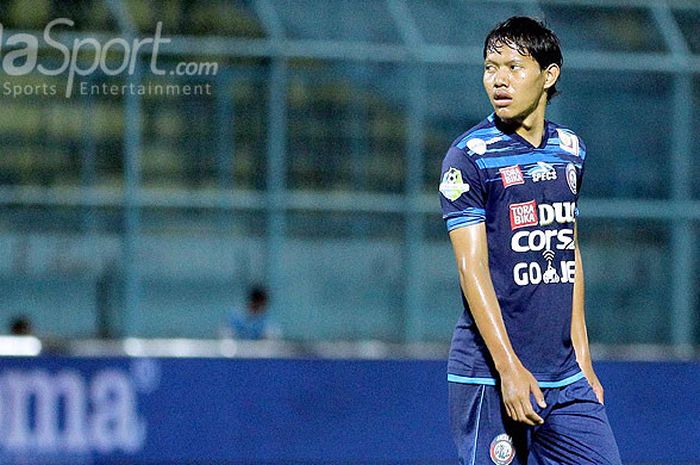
(526, 196)
(248, 326)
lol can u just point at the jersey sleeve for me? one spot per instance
(582, 154)
(579, 176)
(461, 191)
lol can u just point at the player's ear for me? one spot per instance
(551, 75)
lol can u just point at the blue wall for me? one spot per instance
(176, 411)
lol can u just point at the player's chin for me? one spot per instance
(505, 114)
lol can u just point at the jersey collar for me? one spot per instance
(515, 136)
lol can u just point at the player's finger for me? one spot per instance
(534, 419)
(599, 394)
(539, 397)
(522, 416)
(530, 414)
(510, 409)
(510, 412)
(515, 415)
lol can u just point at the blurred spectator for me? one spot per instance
(21, 326)
(253, 322)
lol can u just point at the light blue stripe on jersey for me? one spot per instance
(467, 380)
(470, 211)
(478, 422)
(564, 382)
(492, 381)
(462, 221)
(499, 162)
(464, 218)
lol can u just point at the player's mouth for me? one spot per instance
(502, 98)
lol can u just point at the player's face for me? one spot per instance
(515, 83)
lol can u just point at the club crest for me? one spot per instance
(502, 451)
(571, 177)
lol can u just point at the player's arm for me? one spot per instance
(579, 335)
(517, 383)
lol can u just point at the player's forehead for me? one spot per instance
(506, 51)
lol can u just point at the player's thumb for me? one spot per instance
(539, 397)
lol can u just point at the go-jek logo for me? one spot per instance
(68, 413)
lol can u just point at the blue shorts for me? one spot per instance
(575, 430)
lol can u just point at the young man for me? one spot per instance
(521, 381)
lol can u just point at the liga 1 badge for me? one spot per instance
(502, 451)
(452, 185)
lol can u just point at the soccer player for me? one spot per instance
(521, 381)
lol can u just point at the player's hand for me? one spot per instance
(595, 385)
(517, 384)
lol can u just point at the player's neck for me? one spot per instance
(532, 127)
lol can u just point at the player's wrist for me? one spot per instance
(586, 365)
(589, 372)
(508, 365)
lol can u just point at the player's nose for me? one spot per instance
(500, 78)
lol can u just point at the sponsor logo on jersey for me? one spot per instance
(525, 273)
(538, 240)
(568, 142)
(501, 450)
(523, 215)
(452, 185)
(476, 145)
(560, 212)
(530, 214)
(571, 177)
(543, 172)
(546, 241)
(511, 176)
(550, 275)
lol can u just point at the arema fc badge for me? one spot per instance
(502, 451)
(571, 177)
(452, 185)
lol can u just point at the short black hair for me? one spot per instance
(20, 326)
(257, 294)
(528, 36)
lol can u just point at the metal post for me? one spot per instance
(132, 183)
(414, 292)
(276, 174)
(224, 137)
(682, 267)
(88, 153)
(413, 240)
(359, 142)
(132, 214)
(276, 149)
(682, 291)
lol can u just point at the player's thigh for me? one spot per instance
(576, 432)
(481, 431)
